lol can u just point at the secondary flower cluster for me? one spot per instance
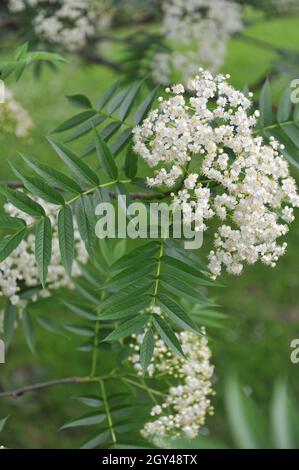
(235, 175)
(19, 270)
(201, 28)
(13, 117)
(66, 22)
(186, 404)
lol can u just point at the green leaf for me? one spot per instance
(106, 157)
(117, 101)
(125, 298)
(291, 152)
(11, 223)
(43, 303)
(47, 56)
(174, 249)
(121, 141)
(10, 242)
(134, 325)
(74, 121)
(238, 413)
(266, 117)
(280, 417)
(86, 223)
(107, 95)
(80, 101)
(292, 131)
(147, 251)
(147, 349)
(49, 325)
(129, 275)
(285, 107)
(93, 401)
(91, 274)
(43, 248)
(85, 128)
(106, 134)
(81, 311)
(88, 294)
(90, 419)
(182, 289)
(145, 106)
(79, 168)
(28, 329)
(10, 317)
(80, 331)
(131, 163)
(168, 336)
(54, 177)
(2, 423)
(126, 310)
(98, 439)
(21, 51)
(86, 347)
(66, 238)
(22, 201)
(20, 68)
(129, 100)
(176, 266)
(39, 187)
(140, 287)
(110, 130)
(175, 312)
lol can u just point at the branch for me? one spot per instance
(101, 60)
(9, 22)
(52, 383)
(146, 19)
(284, 52)
(20, 391)
(138, 195)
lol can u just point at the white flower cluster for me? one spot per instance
(66, 22)
(13, 117)
(19, 270)
(201, 28)
(187, 403)
(236, 176)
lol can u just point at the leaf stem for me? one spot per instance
(277, 125)
(108, 414)
(96, 343)
(143, 386)
(158, 272)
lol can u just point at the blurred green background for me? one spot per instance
(262, 304)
